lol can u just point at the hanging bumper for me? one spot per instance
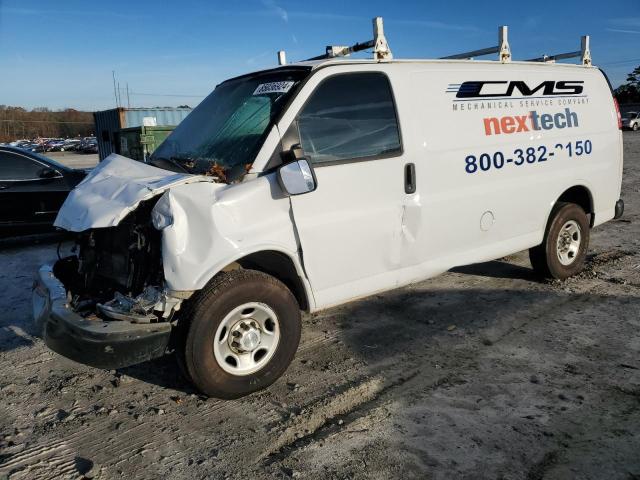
(98, 343)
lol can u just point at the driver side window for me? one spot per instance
(350, 117)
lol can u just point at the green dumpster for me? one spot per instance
(140, 142)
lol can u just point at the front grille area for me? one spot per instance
(123, 259)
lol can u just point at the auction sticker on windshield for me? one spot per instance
(273, 87)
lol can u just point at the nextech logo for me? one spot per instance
(532, 121)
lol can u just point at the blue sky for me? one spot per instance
(61, 53)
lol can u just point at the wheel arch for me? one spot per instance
(272, 261)
(580, 195)
(281, 266)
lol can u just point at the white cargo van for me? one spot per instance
(312, 184)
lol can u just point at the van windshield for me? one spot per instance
(223, 134)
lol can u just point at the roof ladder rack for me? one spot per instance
(502, 49)
(381, 50)
(584, 53)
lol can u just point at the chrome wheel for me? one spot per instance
(568, 244)
(246, 339)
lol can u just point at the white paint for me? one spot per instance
(486, 221)
(215, 225)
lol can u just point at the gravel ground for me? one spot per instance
(483, 372)
(74, 159)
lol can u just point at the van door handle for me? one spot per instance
(409, 178)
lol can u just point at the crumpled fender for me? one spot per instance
(113, 189)
(213, 227)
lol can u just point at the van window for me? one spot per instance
(349, 116)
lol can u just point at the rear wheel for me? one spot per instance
(243, 332)
(564, 247)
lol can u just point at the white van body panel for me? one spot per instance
(440, 133)
(439, 226)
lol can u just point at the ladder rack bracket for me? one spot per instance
(503, 43)
(381, 50)
(585, 50)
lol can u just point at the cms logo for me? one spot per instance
(484, 89)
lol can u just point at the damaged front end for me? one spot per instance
(117, 272)
(107, 305)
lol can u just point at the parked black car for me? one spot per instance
(32, 190)
(37, 148)
(90, 147)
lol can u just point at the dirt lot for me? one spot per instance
(484, 372)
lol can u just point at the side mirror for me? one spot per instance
(297, 177)
(48, 173)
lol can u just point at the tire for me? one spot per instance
(249, 306)
(568, 223)
(635, 127)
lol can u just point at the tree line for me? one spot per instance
(629, 92)
(19, 123)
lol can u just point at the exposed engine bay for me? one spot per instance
(117, 272)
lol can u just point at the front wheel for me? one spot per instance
(635, 127)
(243, 332)
(564, 247)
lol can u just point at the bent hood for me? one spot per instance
(113, 189)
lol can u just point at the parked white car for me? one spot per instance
(314, 184)
(631, 121)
